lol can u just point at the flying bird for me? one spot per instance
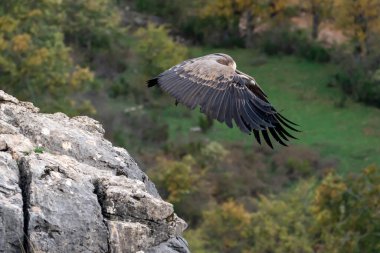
(225, 94)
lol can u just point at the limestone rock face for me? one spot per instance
(64, 188)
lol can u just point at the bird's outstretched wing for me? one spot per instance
(226, 95)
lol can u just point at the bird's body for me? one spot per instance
(226, 94)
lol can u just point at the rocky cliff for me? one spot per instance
(64, 188)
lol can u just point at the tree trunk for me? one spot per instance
(316, 22)
(249, 38)
(362, 22)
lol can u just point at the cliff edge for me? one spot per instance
(64, 188)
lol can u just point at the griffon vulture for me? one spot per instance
(225, 93)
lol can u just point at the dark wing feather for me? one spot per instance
(266, 138)
(225, 94)
(257, 135)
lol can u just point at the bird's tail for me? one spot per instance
(152, 82)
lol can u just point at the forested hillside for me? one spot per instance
(318, 61)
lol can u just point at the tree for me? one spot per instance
(232, 13)
(282, 223)
(227, 14)
(34, 60)
(226, 228)
(347, 214)
(318, 9)
(154, 47)
(176, 178)
(89, 23)
(172, 10)
(276, 9)
(337, 215)
(361, 19)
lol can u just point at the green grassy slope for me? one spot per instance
(299, 89)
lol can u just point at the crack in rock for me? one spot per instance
(100, 199)
(24, 184)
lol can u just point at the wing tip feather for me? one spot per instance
(267, 139)
(152, 82)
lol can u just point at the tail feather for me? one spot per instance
(152, 82)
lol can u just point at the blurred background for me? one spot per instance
(318, 61)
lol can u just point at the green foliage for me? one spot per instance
(219, 22)
(234, 172)
(205, 158)
(282, 224)
(154, 47)
(176, 177)
(146, 127)
(205, 123)
(359, 60)
(196, 241)
(121, 86)
(215, 38)
(90, 23)
(39, 150)
(151, 47)
(38, 42)
(279, 225)
(282, 41)
(301, 166)
(35, 63)
(320, 10)
(183, 15)
(347, 212)
(226, 228)
(172, 10)
(357, 77)
(212, 153)
(360, 19)
(338, 215)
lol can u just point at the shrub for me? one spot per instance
(226, 228)
(176, 177)
(205, 123)
(154, 46)
(212, 153)
(370, 92)
(148, 128)
(90, 24)
(196, 241)
(358, 77)
(282, 224)
(172, 10)
(337, 215)
(282, 41)
(120, 86)
(347, 212)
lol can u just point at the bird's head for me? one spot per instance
(225, 59)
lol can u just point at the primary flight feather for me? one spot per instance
(226, 94)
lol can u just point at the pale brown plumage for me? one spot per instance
(225, 93)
